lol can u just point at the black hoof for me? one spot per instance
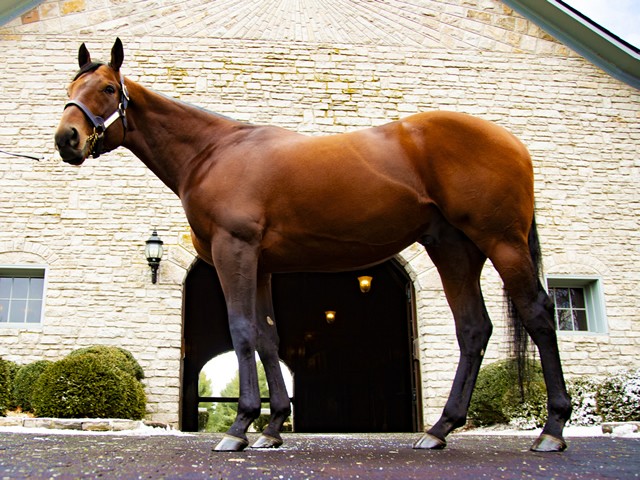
(429, 442)
(231, 444)
(266, 441)
(548, 443)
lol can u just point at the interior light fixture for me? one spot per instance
(365, 283)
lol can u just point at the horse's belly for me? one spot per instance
(325, 257)
(335, 249)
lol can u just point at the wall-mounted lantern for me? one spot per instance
(365, 283)
(153, 252)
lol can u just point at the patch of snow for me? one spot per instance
(626, 430)
(142, 431)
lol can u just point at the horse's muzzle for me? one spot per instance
(68, 145)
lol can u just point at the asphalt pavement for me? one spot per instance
(332, 456)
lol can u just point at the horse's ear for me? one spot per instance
(117, 55)
(83, 56)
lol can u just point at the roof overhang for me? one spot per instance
(14, 8)
(601, 47)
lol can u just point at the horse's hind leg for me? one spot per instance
(459, 263)
(514, 264)
(268, 350)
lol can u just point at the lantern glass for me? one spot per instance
(153, 250)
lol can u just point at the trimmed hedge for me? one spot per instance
(120, 358)
(497, 397)
(24, 382)
(5, 386)
(85, 385)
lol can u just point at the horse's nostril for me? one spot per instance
(67, 137)
(74, 138)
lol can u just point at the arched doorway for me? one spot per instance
(356, 374)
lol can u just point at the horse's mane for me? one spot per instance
(91, 66)
(88, 67)
(196, 106)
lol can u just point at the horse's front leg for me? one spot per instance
(236, 263)
(268, 343)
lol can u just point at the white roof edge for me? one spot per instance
(598, 45)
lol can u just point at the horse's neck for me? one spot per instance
(168, 135)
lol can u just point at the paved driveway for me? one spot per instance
(366, 456)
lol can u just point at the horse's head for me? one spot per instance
(96, 93)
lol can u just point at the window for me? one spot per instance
(21, 296)
(579, 304)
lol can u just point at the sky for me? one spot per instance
(621, 17)
(221, 370)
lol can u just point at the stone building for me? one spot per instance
(76, 236)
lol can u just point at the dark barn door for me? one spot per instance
(205, 335)
(356, 374)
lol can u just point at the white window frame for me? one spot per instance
(594, 301)
(33, 271)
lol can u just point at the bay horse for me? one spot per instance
(263, 200)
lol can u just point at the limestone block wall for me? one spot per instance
(87, 225)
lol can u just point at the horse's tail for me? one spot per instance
(518, 335)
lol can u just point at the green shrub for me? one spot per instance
(120, 358)
(8, 370)
(25, 380)
(88, 385)
(497, 397)
(618, 397)
(5, 386)
(530, 413)
(486, 402)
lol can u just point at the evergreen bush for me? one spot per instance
(497, 397)
(25, 380)
(88, 385)
(120, 358)
(531, 412)
(5, 386)
(618, 397)
(13, 371)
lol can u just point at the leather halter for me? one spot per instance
(99, 124)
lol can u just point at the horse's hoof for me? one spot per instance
(266, 441)
(548, 443)
(231, 444)
(430, 442)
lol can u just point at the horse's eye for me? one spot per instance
(109, 89)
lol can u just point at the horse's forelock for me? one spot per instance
(88, 67)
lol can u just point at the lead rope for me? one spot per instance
(23, 155)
